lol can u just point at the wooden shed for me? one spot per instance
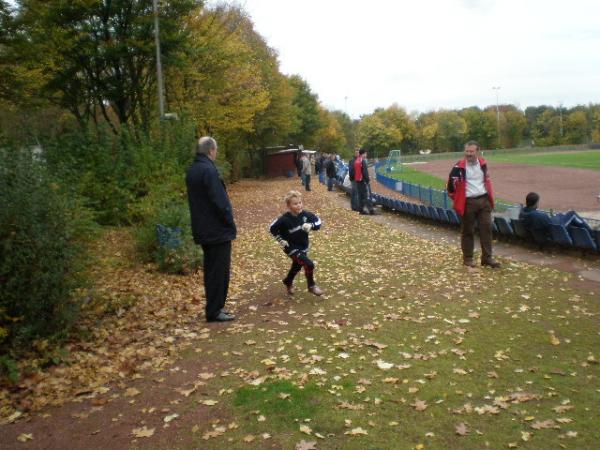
(282, 163)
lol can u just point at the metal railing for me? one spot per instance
(439, 198)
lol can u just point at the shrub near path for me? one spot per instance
(405, 350)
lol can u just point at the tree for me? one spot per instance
(546, 129)
(481, 126)
(97, 57)
(575, 128)
(348, 128)
(330, 138)
(387, 129)
(306, 105)
(374, 136)
(513, 126)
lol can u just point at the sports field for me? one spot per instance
(565, 180)
(584, 160)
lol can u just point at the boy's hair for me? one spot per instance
(290, 195)
(532, 199)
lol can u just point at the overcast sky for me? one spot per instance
(359, 55)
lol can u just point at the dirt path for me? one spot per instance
(560, 188)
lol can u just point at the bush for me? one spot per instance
(42, 252)
(113, 172)
(167, 208)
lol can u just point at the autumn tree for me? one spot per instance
(512, 126)
(575, 128)
(387, 129)
(96, 58)
(480, 126)
(348, 128)
(306, 110)
(331, 138)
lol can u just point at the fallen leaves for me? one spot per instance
(461, 429)
(358, 431)
(142, 432)
(419, 405)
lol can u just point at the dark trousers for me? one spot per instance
(477, 210)
(354, 202)
(217, 265)
(364, 198)
(330, 183)
(307, 182)
(300, 260)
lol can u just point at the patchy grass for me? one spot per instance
(584, 160)
(408, 349)
(410, 175)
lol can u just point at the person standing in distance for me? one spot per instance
(470, 188)
(354, 201)
(361, 177)
(213, 226)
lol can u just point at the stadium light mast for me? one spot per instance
(159, 79)
(497, 88)
(560, 115)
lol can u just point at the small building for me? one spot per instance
(282, 163)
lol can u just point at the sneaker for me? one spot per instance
(469, 263)
(315, 290)
(290, 288)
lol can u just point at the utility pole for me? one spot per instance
(497, 88)
(159, 79)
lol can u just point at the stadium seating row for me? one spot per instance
(578, 237)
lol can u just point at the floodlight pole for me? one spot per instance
(560, 114)
(497, 88)
(159, 79)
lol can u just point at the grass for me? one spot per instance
(410, 175)
(583, 160)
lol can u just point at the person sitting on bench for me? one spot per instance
(536, 222)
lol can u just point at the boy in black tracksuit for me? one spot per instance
(291, 232)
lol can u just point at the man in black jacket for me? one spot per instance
(212, 226)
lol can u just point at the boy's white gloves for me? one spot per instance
(283, 243)
(306, 227)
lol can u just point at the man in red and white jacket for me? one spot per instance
(470, 188)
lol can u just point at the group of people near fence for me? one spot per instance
(469, 186)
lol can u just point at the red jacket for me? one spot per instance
(457, 185)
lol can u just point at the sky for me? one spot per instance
(433, 54)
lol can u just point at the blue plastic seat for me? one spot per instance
(560, 235)
(504, 226)
(424, 211)
(453, 217)
(443, 215)
(596, 235)
(433, 213)
(520, 230)
(582, 238)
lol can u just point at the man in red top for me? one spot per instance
(470, 188)
(361, 177)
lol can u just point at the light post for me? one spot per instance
(497, 88)
(560, 115)
(346, 104)
(159, 80)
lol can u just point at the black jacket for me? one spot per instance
(330, 168)
(537, 223)
(210, 209)
(289, 228)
